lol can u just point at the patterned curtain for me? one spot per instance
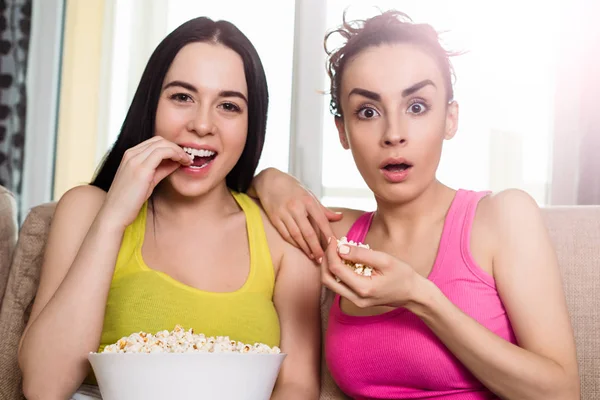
(15, 24)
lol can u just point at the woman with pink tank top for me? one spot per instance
(465, 300)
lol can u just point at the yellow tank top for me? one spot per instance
(143, 299)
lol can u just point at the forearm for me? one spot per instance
(267, 178)
(53, 352)
(506, 369)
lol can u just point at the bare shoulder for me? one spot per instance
(75, 212)
(85, 199)
(512, 208)
(340, 228)
(498, 217)
(503, 209)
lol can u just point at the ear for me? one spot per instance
(339, 123)
(451, 120)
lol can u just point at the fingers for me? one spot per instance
(332, 215)
(316, 212)
(333, 266)
(296, 234)
(157, 155)
(283, 231)
(375, 259)
(140, 148)
(142, 151)
(308, 233)
(164, 169)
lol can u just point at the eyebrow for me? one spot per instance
(192, 88)
(406, 92)
(417, 86)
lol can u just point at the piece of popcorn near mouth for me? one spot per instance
(358, 268)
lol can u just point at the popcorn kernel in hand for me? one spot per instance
(358, 268)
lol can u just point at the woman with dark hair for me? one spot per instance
(164, 235)
(465, 301)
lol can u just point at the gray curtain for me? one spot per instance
(589, 151)
(15, 24)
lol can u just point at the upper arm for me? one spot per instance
(72, 219)
(297, 300)
(528, 280)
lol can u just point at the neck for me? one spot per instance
(429, 207)
(169, 205)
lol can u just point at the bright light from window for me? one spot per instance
(505, 88)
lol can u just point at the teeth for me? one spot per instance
(199, 152)
(200, 167)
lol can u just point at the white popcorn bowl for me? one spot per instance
(223, 376)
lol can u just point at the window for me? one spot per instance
(505, 84)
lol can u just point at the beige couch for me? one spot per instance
(8, 235)
(574, 231)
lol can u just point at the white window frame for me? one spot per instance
(306, 125)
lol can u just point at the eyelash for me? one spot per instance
(235, 109)
(422, 103)
(364, 108)
(412, 102)
(184, 98)
(177, 97)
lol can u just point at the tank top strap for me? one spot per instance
(463, 211)
(262, 273)
(359, 229)
(455, 243)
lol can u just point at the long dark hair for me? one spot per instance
(140, 120)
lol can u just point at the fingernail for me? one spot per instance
(320, 260)
(338, 212)
(312, 257)
(343, 249)
(329, 240)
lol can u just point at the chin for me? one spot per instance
(186, 187)
(395, 192)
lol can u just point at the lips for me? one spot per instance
(202, 156)
(395, 170)
(395, 164)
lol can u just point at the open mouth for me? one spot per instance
(397, 167)
(201, 157)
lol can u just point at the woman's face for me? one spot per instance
(203, 108)
(395, 118)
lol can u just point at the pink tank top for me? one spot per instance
(395, 355)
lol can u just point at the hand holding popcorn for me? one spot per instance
(391, 283)
(359, 269)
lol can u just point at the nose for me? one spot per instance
(202, 123)
(394, 134)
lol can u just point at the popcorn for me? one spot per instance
(358, 268)
(182, 341)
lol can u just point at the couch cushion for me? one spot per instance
(8, 235)
(575, 232)
(20, 292)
